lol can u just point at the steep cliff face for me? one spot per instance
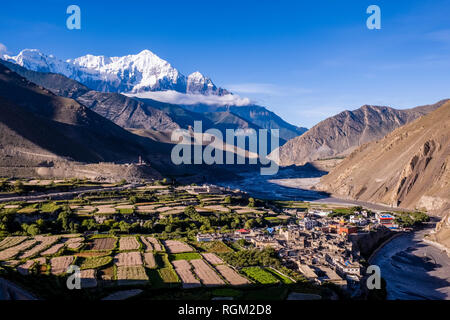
(409, 167)
(339, 135)
(441, 234)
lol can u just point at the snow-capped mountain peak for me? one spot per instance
(35, 60)
(198, 83)
(140, 72)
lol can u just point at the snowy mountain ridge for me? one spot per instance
(142, 72)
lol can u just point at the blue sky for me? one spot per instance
(305, 60)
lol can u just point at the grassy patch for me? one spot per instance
(185, 256)
(168, 275)
(49, 208)
(125, 211)
(95, 262)
(214, 246)
(283, 278)
(260, 275)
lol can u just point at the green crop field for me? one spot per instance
(185, 256)
(260, 275)
(284, 279)
(95, 262)
(168, 275)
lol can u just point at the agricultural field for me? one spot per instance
(184, 256)
(214, 247)
(173, 246)
(128, 259)
(229, 274)
(212, 258)
(11, 252)
(100, 244)
(128, 243)
(11, 241)
(129, 275)
(149, 260)
(53, 249)
(184, 270)
(59, 265)
(45, 242)
(260, 275)
(95, 262)
(151, 244)
(101, 259)
(206, 274)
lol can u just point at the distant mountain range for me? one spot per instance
(43, 134)
(409, 167)
(140, 113)
(339, 135)
(141, 72)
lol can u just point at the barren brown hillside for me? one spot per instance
(410, 167)
(339, 135)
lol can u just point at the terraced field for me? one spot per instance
(260, 275)
(100, 244)
(128, 275)
(128, 243)
(206, 274)
(129, 263)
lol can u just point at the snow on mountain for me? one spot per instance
(199, 84)
(142, 72)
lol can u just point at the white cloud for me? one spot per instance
(188, 98)
(3, 49)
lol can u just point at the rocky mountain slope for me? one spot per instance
(256, 115)
(409, 168)
(339, 135)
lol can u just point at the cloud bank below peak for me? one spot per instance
(175, 97)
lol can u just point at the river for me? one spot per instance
(413, 269)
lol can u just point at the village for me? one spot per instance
(323, 249)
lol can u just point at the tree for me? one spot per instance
(124, 227)
(251, 202)
(148, 225)
(63, 219)
(227, 200)
(133, 199)
(19, 187)
(249, 224)
(33, 230)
